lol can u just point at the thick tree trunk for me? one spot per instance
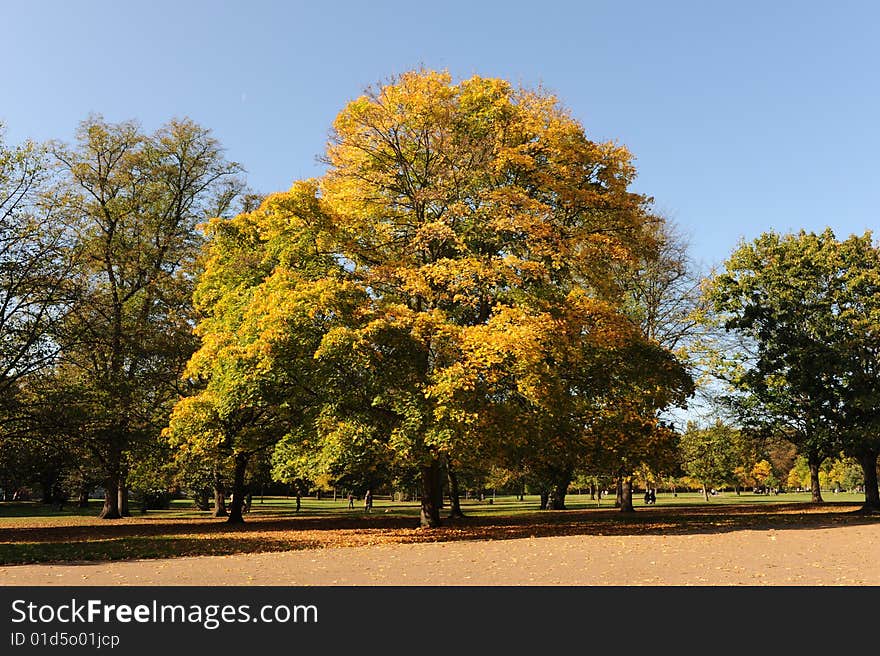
(815, 489)
(545, 498)
(618, 497)
(83, 500)
(454, 495)
(626, 495)
(111, 498)
(559, 491)
(432, 490)
(592, 491)
(238, 491)
(868, 461)
(706, 492)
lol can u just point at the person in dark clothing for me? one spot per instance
(368, 501)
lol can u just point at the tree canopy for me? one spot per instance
(807, 307)
(454, 276)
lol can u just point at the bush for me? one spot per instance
(156, 500)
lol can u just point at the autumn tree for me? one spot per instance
(459, 227)
(467, 207)
(845, 473)
(134, 200)
(270, 293)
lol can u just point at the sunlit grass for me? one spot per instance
(32, 512)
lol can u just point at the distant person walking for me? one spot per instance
(368, 501)
(350, 500)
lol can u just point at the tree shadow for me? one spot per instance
(209, 536)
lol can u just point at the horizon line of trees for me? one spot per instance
(470, 292)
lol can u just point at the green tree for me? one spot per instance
(779, 293)
(134, 201)
(35, 259)
(856, 358)
(808, 307)
(709, 454)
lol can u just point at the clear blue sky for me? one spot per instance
(743, 115)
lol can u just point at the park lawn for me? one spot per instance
(34, 533)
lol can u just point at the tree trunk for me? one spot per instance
(111, 498)
(559, 491)
(545, 498)
(706, 492)
(83, 497)
(592, 491)
(454, 495)
(298, 501)
(235, 514)
(123, 499)
(815, 490)
(618, 498)
(868, 461)
(48, 484)
(220, 502)
(626, 494)
(432, 489)
(219, 493)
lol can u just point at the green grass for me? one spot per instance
(501, 505)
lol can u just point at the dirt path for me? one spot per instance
(842, 555)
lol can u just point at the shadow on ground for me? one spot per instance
(142, 538)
